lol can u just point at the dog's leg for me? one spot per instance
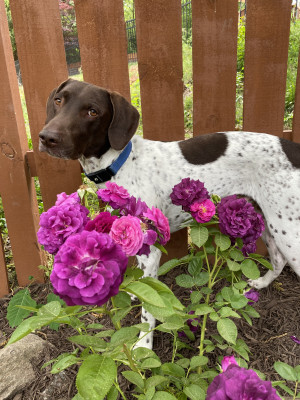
(150, 266)
(277, 261)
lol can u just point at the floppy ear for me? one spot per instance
(50, 106)
(124, 123)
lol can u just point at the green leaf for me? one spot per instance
(261, 260)
(198, 361)
(233, 265)
(54, 297)
(203, 309)
(89, 341)
(150, 363)
(201, 279)
(120, 314)
(122, 300)
(50, 310)
(236, 255)
(123, 335)
(185, 281)
(227, 329)
(63, 363)
(196, 297)
(195, 266)
(145, 293)
(173, 322)
(285, 371)
(250, 269)
(112, 394)
(236, 300)
(141, 352)
(95, 377)
(228, 312)
(222, 241)
(167, 266)
(163, 396)
(16, 315)
(199, 235)
(173, 370)
(194, 392)
(134, 377)
(155, 380)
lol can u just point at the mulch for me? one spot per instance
(268, 339)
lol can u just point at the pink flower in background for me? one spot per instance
(116, 196)
(101, 223)
(203, 211)
(160, 222)
(228, 360)
(127, 232)
(88, 269)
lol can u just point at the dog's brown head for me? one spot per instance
(86, 120)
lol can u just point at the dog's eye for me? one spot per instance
(92, 113)
(57, 101)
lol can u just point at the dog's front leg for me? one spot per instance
(150, 266)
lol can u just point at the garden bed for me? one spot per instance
(268, 338)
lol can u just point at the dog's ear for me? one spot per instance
(124, 123)
(50, 106)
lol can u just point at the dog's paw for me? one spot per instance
(257, 283)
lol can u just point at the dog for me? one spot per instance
(94, 125)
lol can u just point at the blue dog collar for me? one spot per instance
(104, 175)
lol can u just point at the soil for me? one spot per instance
(268, 339)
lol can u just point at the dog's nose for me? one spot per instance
(48, 138)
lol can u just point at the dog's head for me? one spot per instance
(86, 120)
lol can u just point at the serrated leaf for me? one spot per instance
(63, 363)
(185, 281)
(124, 334)
(54, 297)
(285, 371)
(173, 370)
(201, 279)
(233, 265)
(16, 315)
(199, 235)
(194, 392)
(236, 255)
(203, 309)
(163, 396)
(142, 352)
(50, 310)
(261, 260)
(222, 241)
(228, 312)
(134, 377)
(227, 329)
(196, 297)
(150, 363)
(112, 394)
(155, 380)
(122, 300)
(250, 269)
(95, 377)
(145, 293)
(198, 361)
(89, 341)
(168, 266)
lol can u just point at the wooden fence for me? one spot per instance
(103, 47)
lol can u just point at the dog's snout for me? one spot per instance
(49, 139)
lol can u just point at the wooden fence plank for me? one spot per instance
(266, 51)
(15, 182)
(103, 44)
(215, 28)
(296, 119)
(41, 54)
(158, 26)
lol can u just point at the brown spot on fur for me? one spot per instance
(204, 149)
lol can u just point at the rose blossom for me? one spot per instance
(101, 223)
(127, 232)
(116, 196)
(161, 223)
(88, 269)
(59, 222)
(203, 211)
(134, 207)
(228, 360)
(187, 192)
(240, 383)
(63, 198)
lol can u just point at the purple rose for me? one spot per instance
(249, 248)
(135, 207)
(187, 192)
(252, 295)
(203, 211)
(88, 269)
(160, 222)
(101, 223)
(240, 383)
(238, 219)
(149, 239)
(228, 360)
(192, 323)
(127, 232)
(116, 196)
(59, 222)
(63, 198)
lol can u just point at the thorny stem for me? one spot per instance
(120, 390)
(117, 325)
(131, 362)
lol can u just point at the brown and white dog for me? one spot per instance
(93, 125)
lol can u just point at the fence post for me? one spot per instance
(266, 53)
(40, 46)
(15, 183)
(103, 44)
(159, 44)
(215, 28)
